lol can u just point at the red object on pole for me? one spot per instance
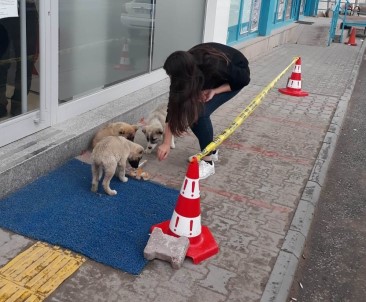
(352, 38)
(186, 219)
(294, 82)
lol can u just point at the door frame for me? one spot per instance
(34, 121)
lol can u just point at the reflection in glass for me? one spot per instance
(102, 43)
(11, 43)
(255, 14)
(280, 9)
(288, 9)
(245, 16)
(250, 16)
(178, 26)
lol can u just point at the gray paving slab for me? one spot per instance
(260, 202)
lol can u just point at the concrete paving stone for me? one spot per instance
(164, 294)
(167, 248)
(94, 282)
(183, 282)
(269, 240)
(261, 257)
(204, 294)
(220, 224)
(226, 210)
(229, 258)
(11, 245)
(275, 225)
(237, 240)
(239, 294)
(276, 212)
(276, 190)
(249, 225)
(217, 279)
(252, 274)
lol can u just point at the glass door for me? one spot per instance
(23, 29)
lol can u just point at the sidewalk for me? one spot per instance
(260, 202)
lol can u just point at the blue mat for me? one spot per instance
(60, 209)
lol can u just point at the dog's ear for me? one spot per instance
(160, 131)
(121, 132)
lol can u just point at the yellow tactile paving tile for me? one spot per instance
(36, 273)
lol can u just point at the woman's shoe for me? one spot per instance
(206, 169)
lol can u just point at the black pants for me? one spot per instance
(10, 49)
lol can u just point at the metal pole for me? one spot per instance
(23, 55)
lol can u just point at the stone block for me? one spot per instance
(167, 248)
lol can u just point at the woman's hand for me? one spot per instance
(164, 148)
(207, 95)
(163, 151)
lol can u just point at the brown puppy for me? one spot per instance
(111, 155)
(116, 129)
(154, 128)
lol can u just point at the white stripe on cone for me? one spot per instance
(190, 188)
(185, 226)
(294, 84)
(297, 69)
(124, 61)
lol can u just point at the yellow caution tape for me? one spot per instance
(218, 140)
(36, 273)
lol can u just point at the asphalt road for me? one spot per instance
(333, 267)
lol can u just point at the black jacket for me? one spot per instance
(236, 73)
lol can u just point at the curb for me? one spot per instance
(282, 276)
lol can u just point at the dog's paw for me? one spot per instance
(124, 179)
(94, 188)
(172, 146)
(112, 192)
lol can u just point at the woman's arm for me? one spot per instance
(210, 93)
(164, 148)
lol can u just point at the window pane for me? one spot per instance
(280, 9)
(102, 42)
(245, 17)
(178, 26)
(12, 102)
(255, 15)
(288, 9)
(234, 12)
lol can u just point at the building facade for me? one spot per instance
(77, 55)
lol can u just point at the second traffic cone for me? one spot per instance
(124, 61)
(186, 219)
(352, 38)
(294, 82)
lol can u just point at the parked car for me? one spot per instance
(138, 14)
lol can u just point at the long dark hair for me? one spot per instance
(186, 70)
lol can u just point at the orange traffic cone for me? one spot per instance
(294, 82)
(186, 219)
(124, 62)
(352, 38)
